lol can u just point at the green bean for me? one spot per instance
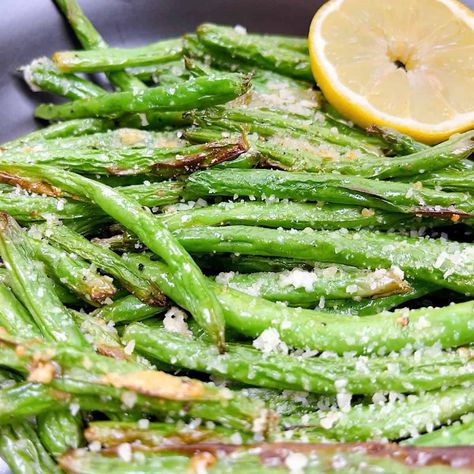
(42, 75)
(278, 458)
(217, 263)
(299, 287)
(393, 420)
(107, 261)
(287, 128)
(22, 450)
(295, 156)
(85, 373)
(33, 288)
(451, 180)
(289, 215)
(448, 326)
(27, 399)
(241, 363)
(117, 59)
(191, 282)
(26, 207)
(113, 433)
(74, 273)
(164, 162)
(443, 263)
(370, 306)
(353, 190)
(401, 144)
(198, 93)
(14, 318)
(152, 120)
(122, 138)
(194, 49)
(127, 309)
(30, 208)
(37, 293)
(460, 433)
(70, 128)
(103, 338)
(244, 48)
(90, 38)
(59, 431)
(165, 73)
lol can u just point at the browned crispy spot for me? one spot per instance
(214, 153)
(37, 186)
(276, 453)
(156, 299)
(112, 352)
(59, 394)
(131, 434)
(442, 213)
(157, 384)
(153, 297)
(396, 285)
(99, 289)
(403, 321)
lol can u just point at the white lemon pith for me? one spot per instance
(406, 64)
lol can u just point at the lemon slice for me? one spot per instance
(406, 64)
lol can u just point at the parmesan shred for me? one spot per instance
(124, 452)
(296, 462)
(175, 321)
(269, 341)
(298, 278)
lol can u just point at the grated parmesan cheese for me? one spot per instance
(269, 341)
(175, 321)
(299, 279)
(296, 462)
(125, 452)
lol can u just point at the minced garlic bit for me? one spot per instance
(404, 317)
(175, 321)
(367, 212)
(130, 136)
(42, 373)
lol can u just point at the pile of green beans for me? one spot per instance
(208, 269)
